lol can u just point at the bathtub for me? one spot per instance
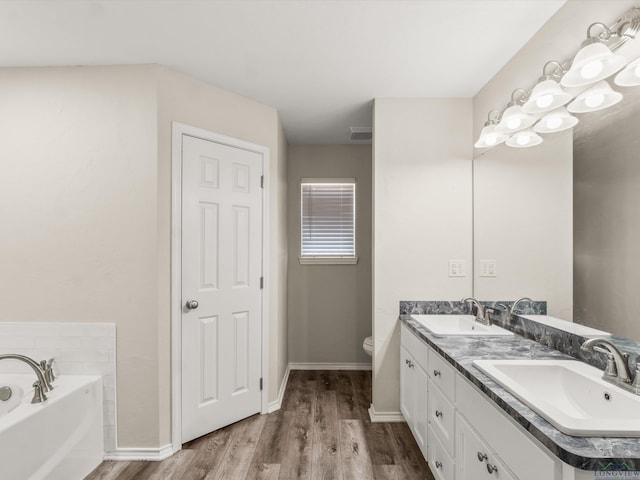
(60, 439)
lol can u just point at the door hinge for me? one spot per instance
(261, 181)
(260, 383)
(261, 283)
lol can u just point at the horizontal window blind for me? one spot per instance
(328, 219)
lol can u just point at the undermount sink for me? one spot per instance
(450, 325)
(569, 394)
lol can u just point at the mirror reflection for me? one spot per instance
(561, 221)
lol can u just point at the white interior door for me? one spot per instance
(221, 285)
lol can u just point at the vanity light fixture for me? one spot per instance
(597, 97)
(514, 118)
(630, 76)
(524, 138)
(490, 136)
(588, 69)
(595, 61)
(555, 121)
(547, 95)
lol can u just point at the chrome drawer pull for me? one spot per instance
(438, 465)
(482, 456)
(491, 468)
(436, 373)
(438, 413)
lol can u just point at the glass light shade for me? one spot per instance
(595, 98)
(490, 137)
(514, 119)
(524, 139)
(555, 121)
(591, 64)
(546, 96)
(630, 76)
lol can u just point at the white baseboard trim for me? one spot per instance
(148, 454)
(330, 366)
(377, 417)
(277, 403)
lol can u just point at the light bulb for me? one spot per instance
(553, 123)
(490, 139)
(593, 101)
(523, 140)
(543, 101)
(591, 69)
(513, 123)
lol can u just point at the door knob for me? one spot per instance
(191, 304)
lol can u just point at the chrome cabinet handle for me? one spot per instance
(436, 373)
(438, 464)
(410, 364)
(482, 456)
(191, 304)
(438, 413)
(491, 468)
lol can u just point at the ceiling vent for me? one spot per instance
(360, 133)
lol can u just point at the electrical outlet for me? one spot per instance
(457, 268)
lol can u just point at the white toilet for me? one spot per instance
(367, 345)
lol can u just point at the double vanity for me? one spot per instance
(483, 402)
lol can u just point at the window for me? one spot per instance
(328, 221)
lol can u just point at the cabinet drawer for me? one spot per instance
(516, 449)
(440, 463)
(415, 347)
(441, 418)
(474, 459)
(442, 374)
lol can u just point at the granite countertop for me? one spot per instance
(586, 453)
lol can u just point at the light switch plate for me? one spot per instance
(487, 268)
(457, 268)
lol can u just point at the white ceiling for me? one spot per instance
(320, 63)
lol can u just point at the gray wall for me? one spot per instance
(606, 219)
(329, 306)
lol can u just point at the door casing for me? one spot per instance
(178, 130)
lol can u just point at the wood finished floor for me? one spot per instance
(322, 432)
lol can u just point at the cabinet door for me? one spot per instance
(474, 459)
(421, 408)
(406, 388)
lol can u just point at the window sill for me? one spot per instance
(328, 260)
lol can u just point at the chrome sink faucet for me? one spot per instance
(617, 370)
(515, 304)
(480, 313)
(41, 385)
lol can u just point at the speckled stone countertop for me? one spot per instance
(586, 453)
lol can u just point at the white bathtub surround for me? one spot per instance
(78, 349)
(59, 439)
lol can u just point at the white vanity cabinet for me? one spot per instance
(506, 440)
(414, 386)
(461, 433)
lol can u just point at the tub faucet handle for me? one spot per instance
(38, 394)
(47, 371)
